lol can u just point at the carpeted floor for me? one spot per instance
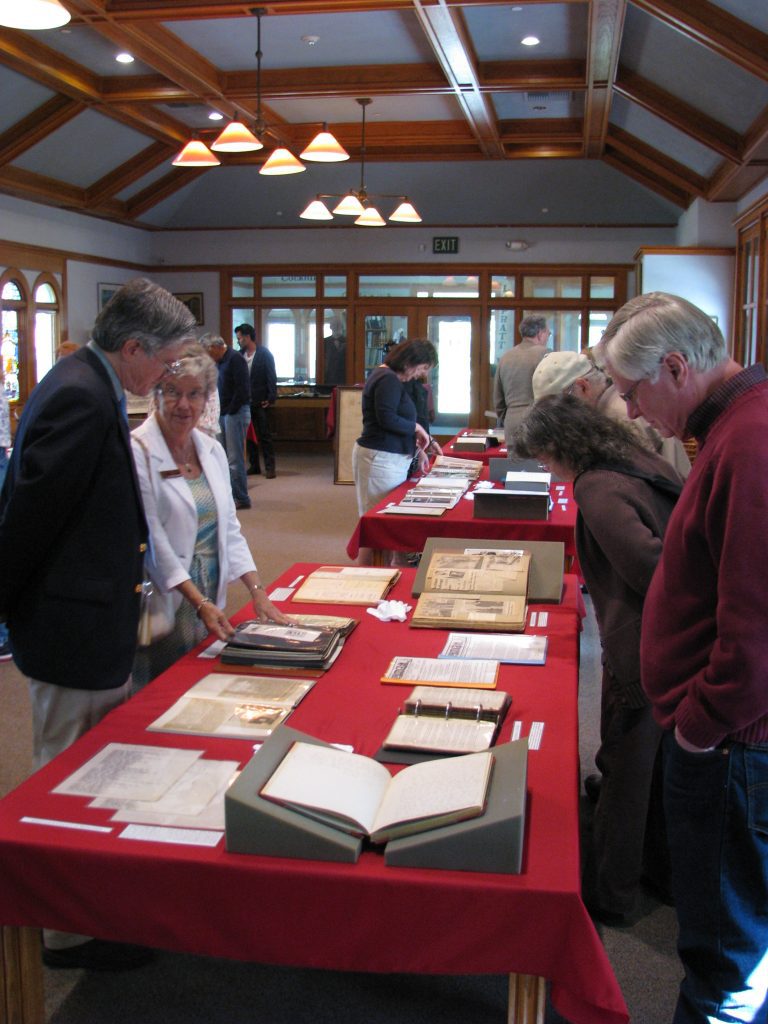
(302, 516)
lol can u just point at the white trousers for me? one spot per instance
(377, 473)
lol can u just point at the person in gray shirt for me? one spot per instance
(512, 389)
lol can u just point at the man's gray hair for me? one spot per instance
(209, 341)
(194, 361)
(650, 326)
(531, 325)
(144, 311)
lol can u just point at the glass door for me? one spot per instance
(455, 379)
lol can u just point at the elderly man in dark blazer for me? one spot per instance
(73, 536)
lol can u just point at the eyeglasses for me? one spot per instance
(171, 369)
(171, 395)
(629, 396)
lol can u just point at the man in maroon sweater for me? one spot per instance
(704, 650)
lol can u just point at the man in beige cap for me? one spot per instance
(577, 374)
(512, 394)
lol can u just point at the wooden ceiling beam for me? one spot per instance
(31, 58)
(183, 10)
(694, 123)
(535, 75)
(45, 66)
(640, 153)
(644, 177)
(719, 31)
(108, 186)
(163, 51)
(560, 130)
(36, 126)
(606, 21)
(162, 189)
(448, 37)
(730, 182)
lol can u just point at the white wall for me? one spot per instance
(759, 192)
(707, 224)
(706, 280)
(35, 224)
(404, 245)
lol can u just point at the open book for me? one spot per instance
(347, 584)
(482, 589)
(240, 707)
(448, 721)
(358, 795)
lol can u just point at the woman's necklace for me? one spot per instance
(184, 461)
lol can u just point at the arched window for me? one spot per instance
(13, 334)
(47, 324)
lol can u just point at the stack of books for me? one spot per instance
(267, 645)
(478, 440)
(445, 466)
(430, 496)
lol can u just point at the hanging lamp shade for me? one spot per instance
(282, 161)
(325, 149)
(316, 210)
(406, 213)
(196, 154)
(350, 206)
(236, 138)
(33, 14)
(370, 218)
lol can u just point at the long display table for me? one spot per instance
(382, 531)
(361, 917)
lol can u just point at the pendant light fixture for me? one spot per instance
(357, 202)
(33, 14)
(237, 137)
(195, 154)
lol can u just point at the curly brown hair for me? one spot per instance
(567, 430)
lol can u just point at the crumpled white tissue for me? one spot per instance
(390, 611)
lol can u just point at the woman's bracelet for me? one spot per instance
(206, 600)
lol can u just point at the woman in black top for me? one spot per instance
(382, 454)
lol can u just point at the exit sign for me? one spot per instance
(445, 244)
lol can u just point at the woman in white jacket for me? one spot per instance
(196, 547)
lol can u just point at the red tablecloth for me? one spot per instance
(383, 532)
(365, 917)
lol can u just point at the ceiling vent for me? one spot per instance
(564, 96)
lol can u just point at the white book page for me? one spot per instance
(429, 732)
(519, 649)
(435, 787)
(326, 779)
(129, 771)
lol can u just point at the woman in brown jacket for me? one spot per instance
(625, 495)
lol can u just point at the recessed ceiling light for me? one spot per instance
(215, 116)
(530, 41)
(124, 58)
(310, 40)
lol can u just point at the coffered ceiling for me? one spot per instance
(624, 113)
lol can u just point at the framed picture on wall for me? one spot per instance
(194, 303)
(349, 426)
(105, 293)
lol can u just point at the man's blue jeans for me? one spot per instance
(716, 807)
(233, 428)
